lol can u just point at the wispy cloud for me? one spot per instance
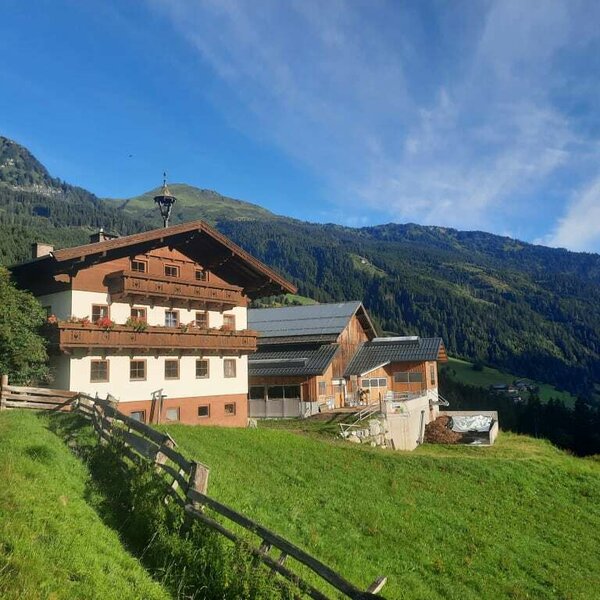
(466, 115)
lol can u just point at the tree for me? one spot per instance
(22, 349)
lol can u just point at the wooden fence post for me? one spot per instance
(3, 384)
(198, 482)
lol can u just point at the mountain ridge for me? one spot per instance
(528, 309)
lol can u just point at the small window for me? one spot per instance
(383, 382)
(275, 392)
(172, 414)
(292, 391)
(408, 377)
(171, 368)
(171, 318)
(138, 415)
(230, 409)
(137, 370)
(99, 311)
(229, 367)
(257, 392)
(322, 388)
(202, 368)
(139, 314)
(204, 410)
(139, 266)
(171, 271)
(201, 275)
(415, 377)
(401, 377)
(98, 371)
(202, 319)
(229, 322)
(432, 374)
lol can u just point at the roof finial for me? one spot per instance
(165, 201)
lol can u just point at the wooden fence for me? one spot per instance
(186, 484)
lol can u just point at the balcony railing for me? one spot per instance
(129, 286)
(69, 336)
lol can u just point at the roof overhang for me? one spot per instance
(196, 239)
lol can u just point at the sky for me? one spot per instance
(475, 114)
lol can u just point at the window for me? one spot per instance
(202, 319)
(98, 370)
(229, 367)
(201, 275)
(139, 314)
(172, 414)
(137, 370)
(277, 392)
(171, 271)
(202, 368)
(204, 410)
(257, 392)
(138, 415)
(432, 374)
(172, 368)
(99, 311)
(171, 318)
(408, 377)
(373, 382)
(229, 322)
(230, 409)
(322, 388)
(139, 266)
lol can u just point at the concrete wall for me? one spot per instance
(404, 427)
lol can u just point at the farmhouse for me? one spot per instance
(302, 354)
(157, 319)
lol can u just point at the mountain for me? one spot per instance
(192, 203)
(531, 310)
(35, 206)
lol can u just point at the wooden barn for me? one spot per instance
(303, 352)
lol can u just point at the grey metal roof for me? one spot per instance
(283, 363)
(310, 320)
(382, 351)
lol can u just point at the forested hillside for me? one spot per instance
(531, 310)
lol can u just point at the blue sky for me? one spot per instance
(475, 114)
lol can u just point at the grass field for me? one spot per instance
(462, 371)
(517, 520)
(52, 543)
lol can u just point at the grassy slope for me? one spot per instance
(488, 376)
(518, 520)
(52, 544)
(193, 203)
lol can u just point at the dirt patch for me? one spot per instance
(439, 432)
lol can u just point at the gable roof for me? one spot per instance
(311, 360)
(319, 323)
(383, 351)
(195, 239)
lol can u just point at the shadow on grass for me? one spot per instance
(131, 500)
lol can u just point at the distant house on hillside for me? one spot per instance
(302, 354)
(157, 319)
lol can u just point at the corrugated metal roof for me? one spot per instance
(284, 363)
(380, 352)
(313, 319)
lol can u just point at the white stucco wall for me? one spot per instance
(59, 303)
(404, 428)
(81, 306)
(122, 388)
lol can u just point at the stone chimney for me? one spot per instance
(101, 236)
(39, 249)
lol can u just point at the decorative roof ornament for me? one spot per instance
(165, 202)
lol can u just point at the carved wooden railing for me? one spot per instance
(131, 286)
(67, 336)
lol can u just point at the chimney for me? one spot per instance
(101, 236)
(39, 249)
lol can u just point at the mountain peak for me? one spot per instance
(21, 170)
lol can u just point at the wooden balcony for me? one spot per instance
(132, 287)
(69, 336)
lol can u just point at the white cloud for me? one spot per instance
(579, 229)
(462, 129)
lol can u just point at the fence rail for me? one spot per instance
(186, 484)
